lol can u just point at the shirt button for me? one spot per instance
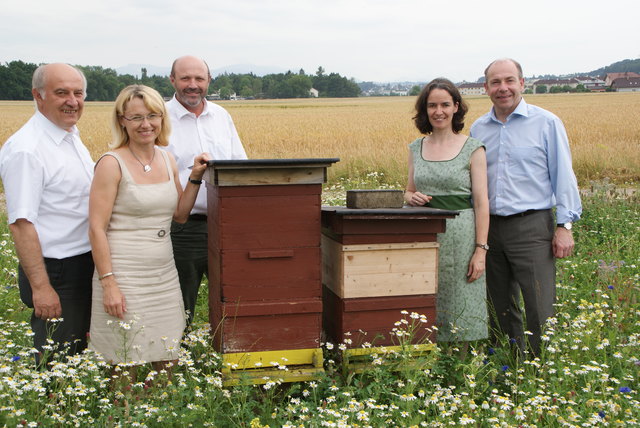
(161, 233)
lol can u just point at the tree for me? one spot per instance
(581, 88)
(15, 80)
(102, 83)
(335, 85)
(221, 81)
(299, 86)
(225, 92)
(415, 90)
(541, 89)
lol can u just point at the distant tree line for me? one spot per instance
(284, 85)
(542, 89)
(104, 84)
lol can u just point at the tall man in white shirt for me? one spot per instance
(47, 172)
(529, 171)
(198, 126)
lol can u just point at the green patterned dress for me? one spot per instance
(461, 308)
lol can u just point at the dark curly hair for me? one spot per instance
(421, 118)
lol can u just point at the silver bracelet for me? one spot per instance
(101, 277)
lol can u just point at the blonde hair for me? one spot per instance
(152, 100)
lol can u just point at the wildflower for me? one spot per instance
(362, 416)
(624, 389)
(465, 420)
(505, 368)
(125, 326)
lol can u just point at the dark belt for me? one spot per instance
(197, 217)
(522, 214)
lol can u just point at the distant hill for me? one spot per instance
(618, 67)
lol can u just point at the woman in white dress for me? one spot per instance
(137, 313)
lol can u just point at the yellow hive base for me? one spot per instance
(359, 359)
(295, 365)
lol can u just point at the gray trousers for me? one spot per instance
(190, 253)
(71, 279)
(521, 261)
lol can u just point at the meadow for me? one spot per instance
(370, 135)
(586, 376)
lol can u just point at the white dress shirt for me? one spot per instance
(212, 132)
(47, 172)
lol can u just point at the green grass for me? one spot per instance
(587, 375)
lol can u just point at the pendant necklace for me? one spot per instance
(146, 167)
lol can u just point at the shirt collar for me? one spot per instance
(522, 109)
(182, 111)
(54, 132)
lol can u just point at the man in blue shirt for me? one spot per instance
(529, 171)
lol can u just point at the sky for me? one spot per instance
(369, 40)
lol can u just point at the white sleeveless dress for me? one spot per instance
(143, 265)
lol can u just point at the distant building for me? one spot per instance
(626, 84)
(549, 83)
(471, 89)
(594, 84)
(313, 93)
(610, 77)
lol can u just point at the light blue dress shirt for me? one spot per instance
(529, 163)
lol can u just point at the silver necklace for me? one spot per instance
(146, 167)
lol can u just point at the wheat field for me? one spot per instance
(372, 134)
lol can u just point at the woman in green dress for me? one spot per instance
(448, 170)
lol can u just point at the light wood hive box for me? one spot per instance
(379, 270)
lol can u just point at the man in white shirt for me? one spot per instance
(198, 126)
(47, 172)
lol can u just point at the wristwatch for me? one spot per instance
(567, 225)
(483, 246)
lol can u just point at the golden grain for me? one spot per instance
(371, 134)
